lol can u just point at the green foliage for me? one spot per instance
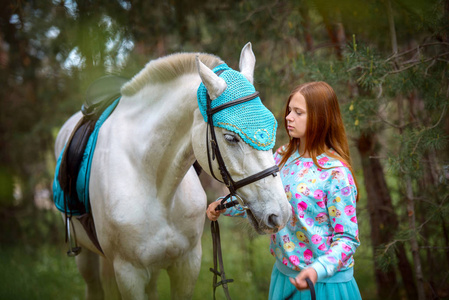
(386, 257)
(42, 272)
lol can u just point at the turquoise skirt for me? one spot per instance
(281, 288)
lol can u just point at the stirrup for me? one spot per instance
(74, 249)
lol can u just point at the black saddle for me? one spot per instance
(100, 94)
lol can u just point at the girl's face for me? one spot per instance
(297, 117)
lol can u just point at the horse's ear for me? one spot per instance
(215, 85)
(247, 62)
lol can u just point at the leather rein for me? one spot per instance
(228, 181)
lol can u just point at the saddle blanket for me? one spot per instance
(82, 182)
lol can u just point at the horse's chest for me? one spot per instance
(180, 236)
(167, 246)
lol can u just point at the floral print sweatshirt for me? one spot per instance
(323, 231)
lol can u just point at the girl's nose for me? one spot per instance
(289, 117)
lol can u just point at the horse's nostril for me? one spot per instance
(273, 221)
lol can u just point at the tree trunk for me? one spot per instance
(305, 23)
(382, 218)
(408, 182)
(413, 241)
(334, 28)
(394, 42)
(446, 239)
(406, 272)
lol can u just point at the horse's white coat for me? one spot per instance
(146, 199)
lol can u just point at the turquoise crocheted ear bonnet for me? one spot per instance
(252, 121)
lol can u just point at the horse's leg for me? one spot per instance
(184, 273)
(108, 281)
(89, 267)
(131, 281)
(151, 288)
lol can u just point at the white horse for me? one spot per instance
(146, 199)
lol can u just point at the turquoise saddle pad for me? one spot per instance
(82, 183)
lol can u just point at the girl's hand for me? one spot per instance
(213, 214)
(300, 281)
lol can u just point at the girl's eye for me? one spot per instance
(231, 138)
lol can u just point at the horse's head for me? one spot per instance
(244, 130)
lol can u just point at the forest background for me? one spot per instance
(388, 61)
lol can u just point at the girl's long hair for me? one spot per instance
(324, 128)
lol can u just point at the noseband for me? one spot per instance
(227, 179)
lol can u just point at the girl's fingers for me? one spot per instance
(299, 281)
(213, 214)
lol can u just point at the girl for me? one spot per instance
(319, 241)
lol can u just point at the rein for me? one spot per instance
(215, 229)
(229, 182)
(311, 287)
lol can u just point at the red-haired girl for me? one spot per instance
(320, 241)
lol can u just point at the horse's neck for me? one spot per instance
(158, 121)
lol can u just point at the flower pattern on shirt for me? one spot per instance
(323, 228)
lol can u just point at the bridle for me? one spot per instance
(227, 179)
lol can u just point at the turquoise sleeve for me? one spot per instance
(320, 270)
(235, 211)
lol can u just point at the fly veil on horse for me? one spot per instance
(146, 199)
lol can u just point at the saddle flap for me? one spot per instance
(72, 157)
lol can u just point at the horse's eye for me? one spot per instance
(231, 138)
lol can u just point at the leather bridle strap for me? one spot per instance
(270, 171)
(227, 179)
(211, 111)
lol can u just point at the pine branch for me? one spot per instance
(400, 127)
(437, 209)
(261, 8)
(378, 157)
(415, 64)
(417, 143)
(415, 49)
(441, 117)
(429, 66)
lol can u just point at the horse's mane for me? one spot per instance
(167, 68)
